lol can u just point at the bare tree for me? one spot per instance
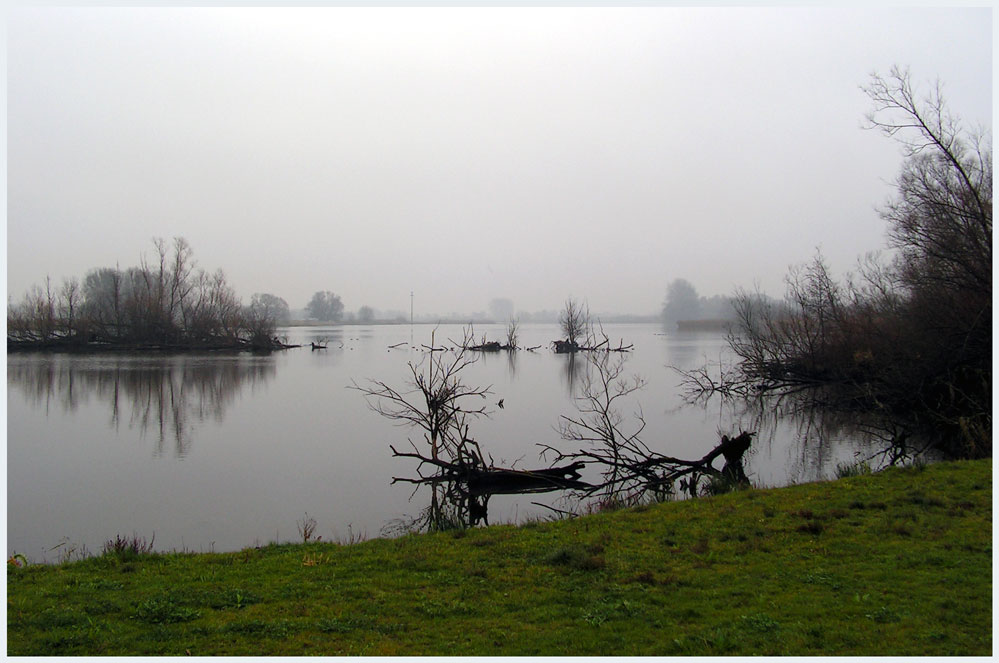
(181, 281)
(941, 219)
(69, 304)
(512, 329)
(574, 320)
(102, 302)
(436, 402)
(913, 339)
(34, 319)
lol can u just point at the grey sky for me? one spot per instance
(464, 153)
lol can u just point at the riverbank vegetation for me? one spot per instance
(165, 304)
(908, 337)
(893, 563)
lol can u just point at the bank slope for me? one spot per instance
(896, 563)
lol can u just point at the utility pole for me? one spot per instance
(410, 308)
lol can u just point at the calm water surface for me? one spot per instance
(220, 452)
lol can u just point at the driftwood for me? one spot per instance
(481, 479)
(509, 481)
(672, 469)
(567, 347)
(631, 469)
(491, 346)
(623, 470)
(460, 490)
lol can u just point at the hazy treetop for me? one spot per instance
(465, 153)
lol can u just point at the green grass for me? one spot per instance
(892, 563)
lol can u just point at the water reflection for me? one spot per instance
(817, 431)
(456, 504)
(451, 506)
(511, 363)
(163, 398)
(332, 458)
(573, 369)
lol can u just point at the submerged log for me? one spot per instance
(489, 346)
(731, 449)
(630, 468)
(567, 347)
(508, 481)
(482, 480)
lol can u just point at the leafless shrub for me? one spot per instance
(351, 537)
(127, 547)
(70, 551)
(574, 320)
(306, 527)
(512, 328)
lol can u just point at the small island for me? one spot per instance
(166, 306)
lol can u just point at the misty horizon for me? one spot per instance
(465, 154)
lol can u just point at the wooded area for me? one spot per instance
(910, 337)
(166, 305)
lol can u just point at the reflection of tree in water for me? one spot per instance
(463, 503)
(817, 430)
(164, 398)
(452, 506)
(511, 363)
(461, 481)
(574, 369)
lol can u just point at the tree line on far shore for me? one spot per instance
(166, 302)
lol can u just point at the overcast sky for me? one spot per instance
(464, 153)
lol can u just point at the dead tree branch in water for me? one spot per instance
(574, 323)
(565, 347)
(480, 478)
(490, 346)
(451, 462)
(631, 470)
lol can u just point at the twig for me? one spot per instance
(560, 512)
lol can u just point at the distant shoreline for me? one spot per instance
(614, 319)
(77, 347)
(74, 347)
(713, 325)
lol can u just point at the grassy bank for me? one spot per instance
(897, 563)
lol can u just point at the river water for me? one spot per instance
(224, 451)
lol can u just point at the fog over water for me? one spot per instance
(464, 153)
